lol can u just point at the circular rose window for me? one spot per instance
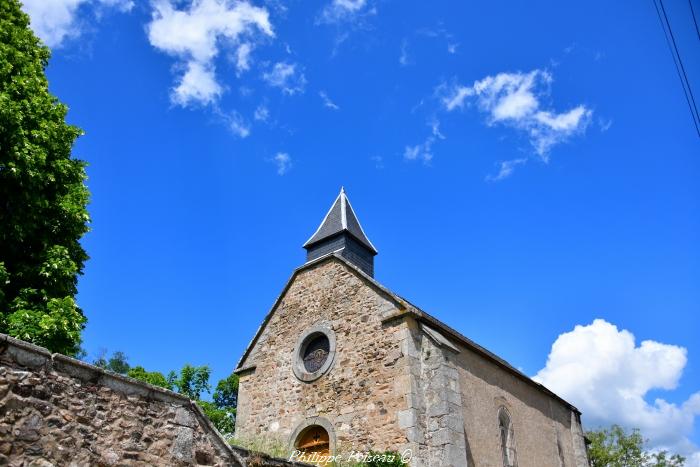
(314, 353)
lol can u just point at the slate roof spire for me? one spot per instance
(340, 231)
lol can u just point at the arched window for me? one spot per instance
(507, 438)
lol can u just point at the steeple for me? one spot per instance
(341, 232)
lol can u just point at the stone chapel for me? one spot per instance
(341, 363)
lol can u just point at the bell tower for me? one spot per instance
(341, 232)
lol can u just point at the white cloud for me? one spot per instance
(54, 21)
(343, 10)
(243, 57)
(435, 128)
(506, 169)
(515, 99)
(284, 162)
(239, 126)
(327, 102)
(602, 371)
(457, 97)
(378, 161)
(198, 84)
(422, 152)
(196, 34)
(287, 77)
(403, 57)
(262, 113)
(604, 124)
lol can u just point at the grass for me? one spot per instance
(267, 445)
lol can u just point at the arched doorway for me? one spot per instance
(312, 440)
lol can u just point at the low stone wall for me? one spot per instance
(57, 411)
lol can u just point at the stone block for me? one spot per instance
(407, 418)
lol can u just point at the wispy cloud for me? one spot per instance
(195, 35)
(327, 102)
(424, 151)
(378, 161)
(55, 21)
(287, 77)
(439, 32)
(604, 124)
(344, 10)
(506, 169)
(262, 113)
(243, 58)
(404, 59)
(603, 371)
(283, 162)
(515, 100)
(239, 126)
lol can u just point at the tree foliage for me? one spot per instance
(226, 392)
(155, 378)
(192, 381)
(614, 447)
(117, 363)
(43, 196)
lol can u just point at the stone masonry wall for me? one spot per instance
(57, 411)
(547, 432)
(362, 393)
(453, 403)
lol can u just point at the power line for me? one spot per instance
(687, 91)
(695, 21)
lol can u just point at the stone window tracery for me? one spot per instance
(316, 353)
(507, 438)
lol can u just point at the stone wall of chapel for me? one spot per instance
(360, 395)
(542, 424)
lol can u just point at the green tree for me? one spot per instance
(222, 411)
(43, 196)
(226, 392)
(223, 418)
(614, 447)
(117, 363)
(192, 381)
(155, 378)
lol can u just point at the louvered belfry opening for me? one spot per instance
(340, 232)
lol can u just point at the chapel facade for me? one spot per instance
(340, 364)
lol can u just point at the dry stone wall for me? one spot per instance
(57, 411)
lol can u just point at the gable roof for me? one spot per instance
(406, 307)
(340, 218)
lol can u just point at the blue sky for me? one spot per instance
(522, 168)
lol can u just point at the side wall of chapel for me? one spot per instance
(454, 399)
